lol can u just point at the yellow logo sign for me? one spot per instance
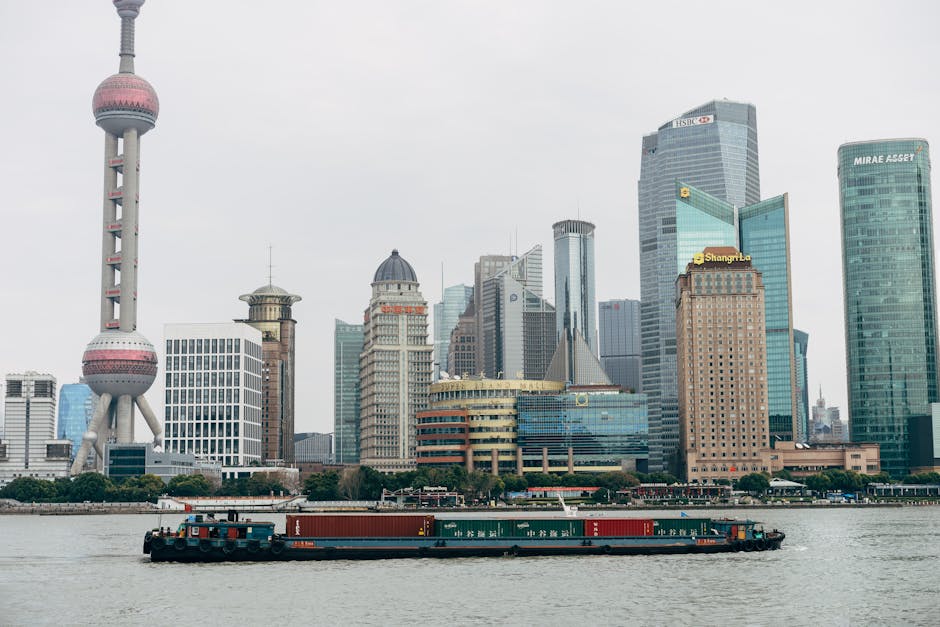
(684, 192)
(698, 258)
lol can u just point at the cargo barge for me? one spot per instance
(384, 536)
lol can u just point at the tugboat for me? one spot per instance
(203, 538)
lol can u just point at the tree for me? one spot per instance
(29, 490)
(146, 487)
(323, 486)
(542, 479)
(818, 483)
(90, 486)
(661, 477)
(189, 485)
(754, 482)
(783, 473)
(233, 487)
(265, 483)
(514, 483)
(616, 480)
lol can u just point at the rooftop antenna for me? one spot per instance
(517, 239)
(442, 281)
(270, 266)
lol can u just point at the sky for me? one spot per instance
(336, 131)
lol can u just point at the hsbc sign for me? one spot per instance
(702, 119)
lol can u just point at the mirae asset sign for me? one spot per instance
(871, 159)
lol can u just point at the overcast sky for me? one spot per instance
(336, 131)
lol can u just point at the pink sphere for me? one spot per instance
(119, 363)
(125, 101)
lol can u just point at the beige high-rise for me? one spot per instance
(721, 355)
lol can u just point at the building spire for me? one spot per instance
(128, 11)
(270, 265)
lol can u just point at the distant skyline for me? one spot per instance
(335, 132)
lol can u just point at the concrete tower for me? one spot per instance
(269, 311)
(394, 368)
(120, 364)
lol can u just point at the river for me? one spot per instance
(838, 566)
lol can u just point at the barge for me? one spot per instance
(383, 536)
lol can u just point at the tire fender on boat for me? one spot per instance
(606, 549)
(277, 547)
(254, 546)
(156, 542)
(229, 546)
(205, 545)
(748, 545)
(179, 544)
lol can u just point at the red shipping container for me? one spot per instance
(359, 526)
(610, 527)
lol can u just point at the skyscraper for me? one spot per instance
(722, 364)
(269, 311)
(347, 347)
(764, 235)
(800, 350)
(120, 364)
(518, 324)
(483, 269)
(713, 148)
(574, 280)
(446, 314)
(395, 367)
(214, 403)
(29, 447)
(76, 407)
(890, 299)
(619, 331)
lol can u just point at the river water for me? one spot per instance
(838, 566)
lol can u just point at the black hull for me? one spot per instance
(275, 553)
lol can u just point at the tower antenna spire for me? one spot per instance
(270, 265)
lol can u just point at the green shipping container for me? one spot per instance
(547, 528)
(463, 528)
(681, 526)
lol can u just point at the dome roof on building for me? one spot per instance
(395, 268)
(269, 291)
(126, 91)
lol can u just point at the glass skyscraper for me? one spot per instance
(764, 235)
(446, 313)
(574, 280)
(619, 330)
(890, 298)
(800, 350)
(713, 148)
(76, 406)
(347, 346)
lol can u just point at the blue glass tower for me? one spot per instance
(764, 235)
(890, 298)
(348, 341)
(76, 406)
(453, 303)
(713, 148)
(800, 350)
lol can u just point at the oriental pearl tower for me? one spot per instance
(119, 364)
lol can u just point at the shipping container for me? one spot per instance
(463, 528)
(610, 527)
(546, 528)
(681, 526)
(359, 525)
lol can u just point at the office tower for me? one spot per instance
(395, 367)
(461, 353)
(826, 425)
(313, 448)
(486, 267)
(347, 347)
(890, 298)
(269, 311)
(713, 148)
(722, 367)
(574, 280)
(213, 392)
(800, 350)
(619, 330)
(29, 447)
(517, 323)
(764, 235)
(120, 364)
(586, 429)
(446, 315)
(76, 407)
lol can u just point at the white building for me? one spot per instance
(29, 447)
(213, 391)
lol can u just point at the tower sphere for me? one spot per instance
(128, 8)
(124, 101)
(117, 363)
